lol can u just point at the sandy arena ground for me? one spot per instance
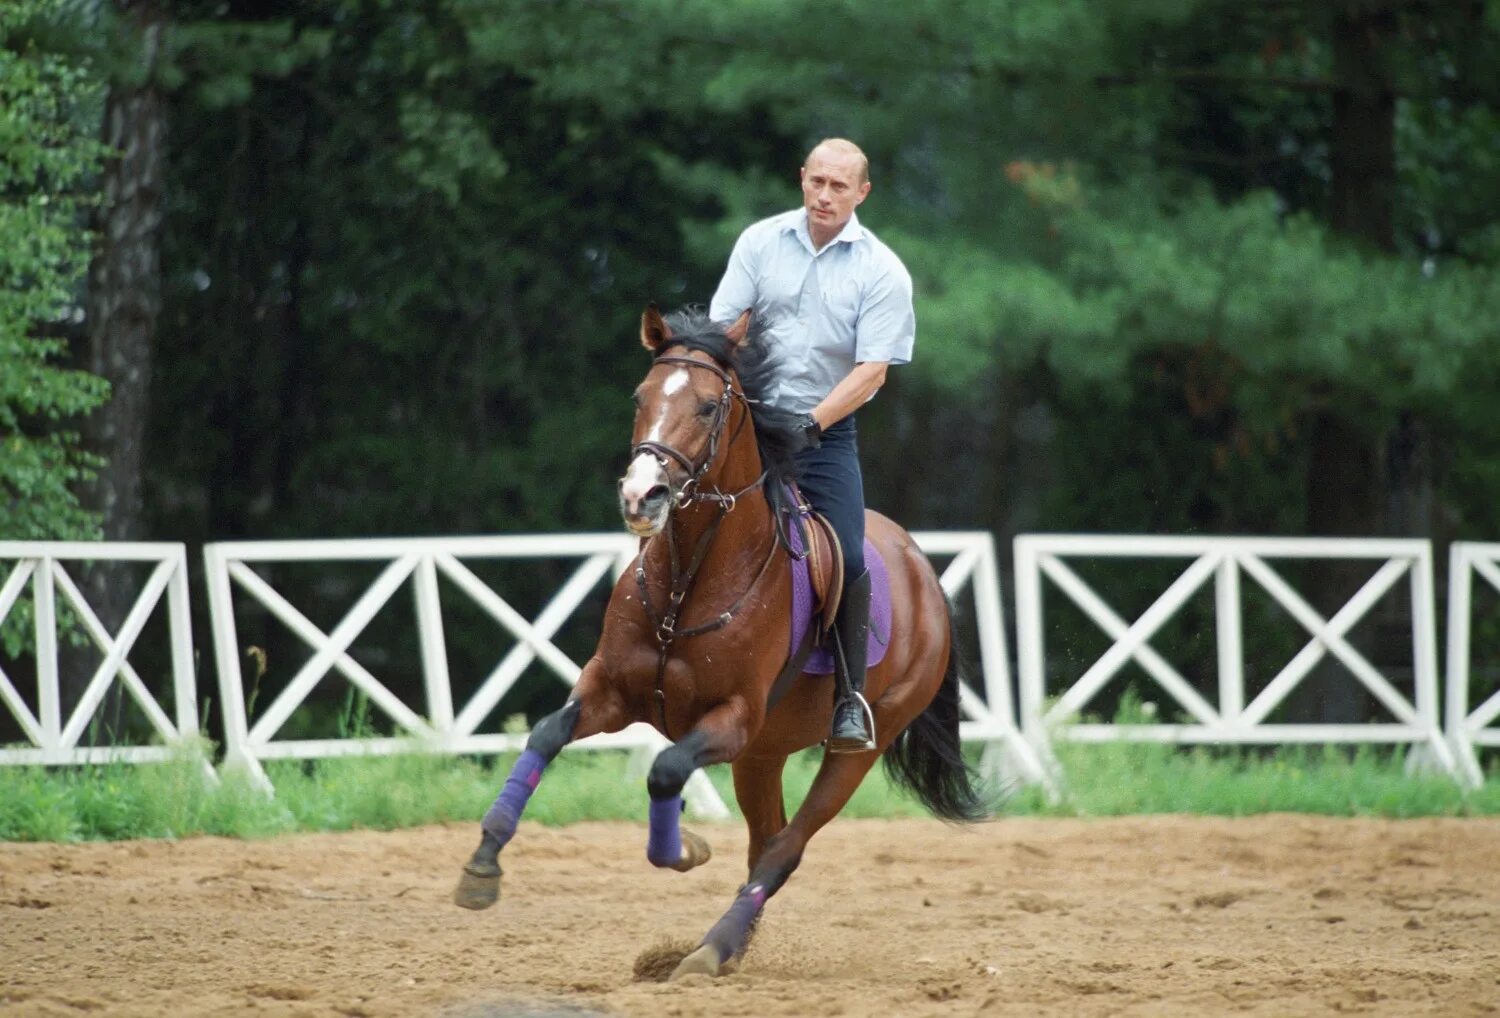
(1277, 915)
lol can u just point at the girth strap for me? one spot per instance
(791, 669)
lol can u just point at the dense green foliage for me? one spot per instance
(48, 106)
(1181, 265)
(385, 793)
(402, 277)
(405, 244)
(419, 255)
(420, 273)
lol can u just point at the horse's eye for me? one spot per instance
(635, 399)
(707, 408)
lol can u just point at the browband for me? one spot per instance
(717, 348)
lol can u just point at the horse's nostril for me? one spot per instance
(656, 493)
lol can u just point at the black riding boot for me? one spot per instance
(853, 726)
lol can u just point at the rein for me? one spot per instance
(664, 623)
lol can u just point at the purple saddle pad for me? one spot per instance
(821, 661)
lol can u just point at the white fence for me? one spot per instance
(988, 717)
(1467, 729)
(1231, 719)
(446, 727)
(40, 567)
(991, 721)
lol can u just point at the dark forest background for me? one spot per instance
(374, 267)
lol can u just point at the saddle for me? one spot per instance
(817, 589)
(825, 569)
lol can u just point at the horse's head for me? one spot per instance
(681, 409)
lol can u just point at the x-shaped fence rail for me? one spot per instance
(1225, 560)
(40, 570)
(988, 718)
(1466, 728)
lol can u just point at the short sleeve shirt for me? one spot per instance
(823, 311)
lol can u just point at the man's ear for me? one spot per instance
(654, 330)
(739, 330)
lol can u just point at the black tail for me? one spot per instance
(927, 759)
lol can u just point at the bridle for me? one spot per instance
(663, 452)
(664, 624)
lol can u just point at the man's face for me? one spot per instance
(831, 189)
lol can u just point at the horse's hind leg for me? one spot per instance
(757, 788)
(837, 780)
(718, 737)
(590, 710)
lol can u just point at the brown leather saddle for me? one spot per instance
(825, 568)
(811, 538)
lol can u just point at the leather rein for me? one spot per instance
(664, 623)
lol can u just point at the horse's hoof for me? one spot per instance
(477, 889)
(695, 852)
(702, 962)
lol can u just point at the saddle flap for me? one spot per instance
(825, 567)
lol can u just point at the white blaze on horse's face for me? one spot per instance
(678, 410)
(674, 384)
(646, 489)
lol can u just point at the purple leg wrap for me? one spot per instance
(730, 933)
(664, 844)
(500, 822)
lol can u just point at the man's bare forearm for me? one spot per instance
(850, 394)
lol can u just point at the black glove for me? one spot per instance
(812, 431)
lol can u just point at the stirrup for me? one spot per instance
(856, 747)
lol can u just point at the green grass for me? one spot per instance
(1126, 778)
(172, 800)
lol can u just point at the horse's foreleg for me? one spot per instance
(837, 779)
(717, 738)
(588, 711)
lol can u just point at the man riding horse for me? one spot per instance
(704, 661)
(836, 305)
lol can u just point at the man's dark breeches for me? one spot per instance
(831, 482)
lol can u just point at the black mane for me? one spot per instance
(776, 431)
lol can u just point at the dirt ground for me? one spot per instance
(1276, 915)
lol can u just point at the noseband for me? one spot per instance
(695, 471)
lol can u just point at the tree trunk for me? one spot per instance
(124, 292)
(1346, 479)
(122, 304)
(1362, 144)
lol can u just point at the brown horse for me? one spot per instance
(695, 636)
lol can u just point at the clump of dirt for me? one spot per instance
(657, 962)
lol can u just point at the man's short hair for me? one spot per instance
(843, 146)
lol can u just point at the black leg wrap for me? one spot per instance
(674, 765)
(555, 730)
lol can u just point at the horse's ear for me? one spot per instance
(654, 330)
(740, 329)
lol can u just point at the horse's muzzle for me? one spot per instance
(647, 516)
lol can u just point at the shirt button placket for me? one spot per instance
(807, 300)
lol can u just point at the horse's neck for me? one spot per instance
(740, 466)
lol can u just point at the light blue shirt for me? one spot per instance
(823, 311)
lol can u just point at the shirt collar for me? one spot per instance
(851, 232)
